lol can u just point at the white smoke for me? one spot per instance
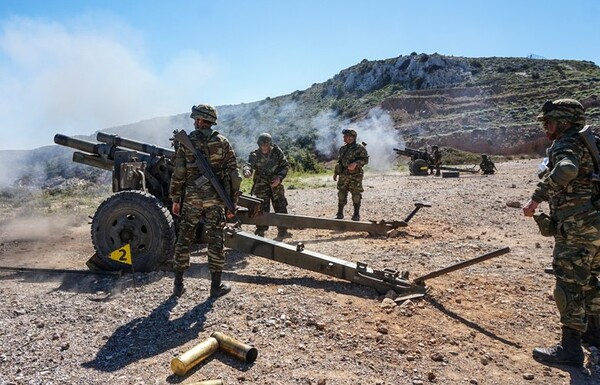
(69, 79)
(376, 130)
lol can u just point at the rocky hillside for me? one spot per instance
(471, 104)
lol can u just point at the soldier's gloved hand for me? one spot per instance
(176, 209)
(529, 208)
(229, 214)
(247, 173)
(275, 182)
(352, 166)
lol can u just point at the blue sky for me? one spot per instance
(78, 66)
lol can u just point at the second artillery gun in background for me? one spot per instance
(421, 162)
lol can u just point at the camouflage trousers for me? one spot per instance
(351, 183)
(576, 263)
(270, 194)
(213, 219)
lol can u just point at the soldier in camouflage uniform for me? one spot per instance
(353, 157)
(269, 166)
(574, 222)
(202, 203)
(435, 160)
(486, 166)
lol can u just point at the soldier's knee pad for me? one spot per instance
(566, 294)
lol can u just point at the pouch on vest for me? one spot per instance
(546, 224)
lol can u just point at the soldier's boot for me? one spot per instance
(259, 232)
(568, 352)
(283, 233)
(340, 213)
(178, 288)
(356, 215)
(217, 288)
(592, 333)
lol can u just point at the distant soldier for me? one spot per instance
(574, 221)
(352, 158)
(486, 166)
(435, 160)
(270, 167)
(195, 203)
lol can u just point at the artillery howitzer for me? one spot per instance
(421, 162)
(138, 214)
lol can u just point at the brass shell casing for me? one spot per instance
(236, 348)
(187, 360)
(207, 382)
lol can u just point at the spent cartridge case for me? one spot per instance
(207, 382)
(186, 361)
(236, 348)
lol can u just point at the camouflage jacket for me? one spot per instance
(351, 153)
(566, 182)
(218, 152)
(487, 165)
(435, 158)
(267, 167)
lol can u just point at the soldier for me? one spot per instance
(202, 203)
(435, 160)
(353, 157)
(486, 166)
(270, 167)
(575, 224)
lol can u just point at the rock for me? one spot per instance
(528, 376)
(387, 303)
(514, 204)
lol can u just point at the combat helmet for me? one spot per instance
(349, 131)
(563, 109)
(204, 111)
(483, 156)
(265, 137)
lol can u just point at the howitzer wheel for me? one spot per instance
(137, 218)
(418, 167)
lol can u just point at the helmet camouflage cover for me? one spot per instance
(563, 109)
(204, 111)
(265, 137)
(349, 131)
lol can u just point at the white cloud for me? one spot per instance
(74, 80)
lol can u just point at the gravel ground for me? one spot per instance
(476, 326)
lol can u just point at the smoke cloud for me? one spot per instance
(58, 78)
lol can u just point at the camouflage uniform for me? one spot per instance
(350, 181)
(266, 168)
(202, 204)
(435, 160)
(567, 187)
(486, 166)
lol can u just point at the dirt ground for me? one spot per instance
(476, 326)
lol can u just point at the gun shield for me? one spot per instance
(186, 361)
(236, 348)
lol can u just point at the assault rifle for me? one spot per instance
(590, 141)
(207, 173)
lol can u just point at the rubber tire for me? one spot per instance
(419, 167)
(138, 218)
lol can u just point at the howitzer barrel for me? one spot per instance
(116, 140)
(79, 144)
(95, 161)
